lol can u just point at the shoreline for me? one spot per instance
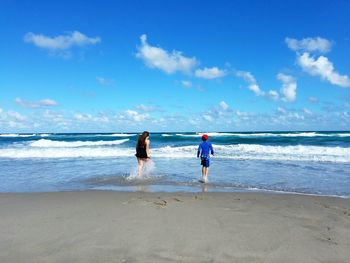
(238, 191)
(109, 226)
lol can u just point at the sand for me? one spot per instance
(97, 226)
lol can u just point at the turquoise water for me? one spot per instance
(299, 162)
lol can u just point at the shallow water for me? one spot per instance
(301, 162)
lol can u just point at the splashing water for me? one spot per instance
(147, 169)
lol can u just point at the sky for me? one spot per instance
(185, 65)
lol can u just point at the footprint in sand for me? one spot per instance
(161, 203)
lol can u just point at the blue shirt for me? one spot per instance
(204, 149)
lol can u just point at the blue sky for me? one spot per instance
(108, 66)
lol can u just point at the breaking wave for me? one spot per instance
(58, 149)
(43, 143)
(16, 135)
(266, 134)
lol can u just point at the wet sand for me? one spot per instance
(100, 226)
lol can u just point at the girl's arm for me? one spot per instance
(147, 149)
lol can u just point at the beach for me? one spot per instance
(107, 226)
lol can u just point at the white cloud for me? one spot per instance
(15, 115)
(36, 104)
(250, 79)
(247, 76)
(135, 116)
(12, 119)
(169, 62)
(309, 44)
(210, 73)
(186, 83)
(223, 105)
(82, 117)
(103, 81)
(313, 100)
(255, 88)
(241, 113)
(13, 124)
(208, 117)
(307, 111)
(289, 87)
(284, 116)
(61, 42)
(53, 116)
(244, 116)
(273, 95)
(323, 68)
(143, 107)
(100, 118)
(287, 92)
(281, 110)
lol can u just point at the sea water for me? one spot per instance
(298, 162)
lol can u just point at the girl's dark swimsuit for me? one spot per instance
(141, 152)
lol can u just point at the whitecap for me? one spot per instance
(43, 143)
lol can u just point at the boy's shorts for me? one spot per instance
(205, 161)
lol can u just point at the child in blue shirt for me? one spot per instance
(204, 150)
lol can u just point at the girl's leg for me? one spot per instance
(139, 167)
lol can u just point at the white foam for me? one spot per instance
(120, 135)
(216, 134)
(65, 153)
(43, 143)
(16, 135)
(167, 135)
(343, 134)
(187, 135)
(262, 152)
(146, 173)
(267, 134)
(293, 153)
(237, 152)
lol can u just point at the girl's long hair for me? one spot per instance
(141, 141)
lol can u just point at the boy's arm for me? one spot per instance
(199, 150)
(211, 149)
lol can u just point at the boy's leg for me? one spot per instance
(203, 180)
(207, 163)
(206, 174)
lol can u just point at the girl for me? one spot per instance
(142, 151)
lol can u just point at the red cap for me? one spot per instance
(205, 137)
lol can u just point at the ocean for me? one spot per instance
(316, 163)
